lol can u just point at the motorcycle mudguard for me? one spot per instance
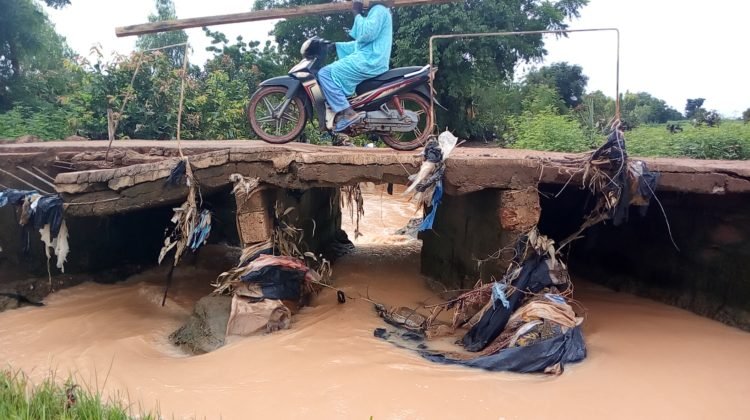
(293, 88)
(424, 90)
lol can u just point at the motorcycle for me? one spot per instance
(396, 103)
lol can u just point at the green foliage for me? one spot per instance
(746, 116)
(730, 140)
(151, 110)
(291, 33)
(707, 118)
(57, 4)
(692, 106)
(215, 108)
(468, 63)
(165, 11)
(493, 107)
(546, 130)
(540, 98)
(47, 123)
(567, 80)
(32, 55)
(642, 108)
(20, 399)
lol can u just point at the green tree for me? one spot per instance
(29, 46)
(57, 4)
(464, 65)
(215, 107)
(165, 11)
(746, 116)
(643, 108)
(693, 106)
(568, 80)
(538, 98)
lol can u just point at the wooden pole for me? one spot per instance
(258, 15)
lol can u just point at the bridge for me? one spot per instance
(118, 209)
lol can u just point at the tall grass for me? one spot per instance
(730, 140)
(546, 131)
(51, 399)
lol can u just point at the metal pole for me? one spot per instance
(24, 181)
(515, 33)
(36, 176)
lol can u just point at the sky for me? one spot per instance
(673, 49)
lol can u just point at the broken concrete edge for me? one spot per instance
(465, 173)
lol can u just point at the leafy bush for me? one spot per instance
(549, 131)
(47, 123)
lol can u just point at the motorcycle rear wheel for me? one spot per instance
(276, 129)
(418, 137)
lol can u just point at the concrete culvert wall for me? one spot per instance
(708, 275)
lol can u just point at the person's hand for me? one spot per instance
(357, 8)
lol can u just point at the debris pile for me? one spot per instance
(191, 225)
(44, 213)
(427, 184)
(273, 279)
(525, 321)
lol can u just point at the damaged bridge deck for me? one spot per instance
(141, 185)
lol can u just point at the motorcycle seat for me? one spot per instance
(392, 74)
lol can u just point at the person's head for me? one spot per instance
(359, 6)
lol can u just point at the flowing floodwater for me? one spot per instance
(646, 359)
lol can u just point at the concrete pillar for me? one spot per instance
(315, 211)
(470, 228)
(255, 215)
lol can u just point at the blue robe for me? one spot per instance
(368, 55)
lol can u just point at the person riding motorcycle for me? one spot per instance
(366, 57)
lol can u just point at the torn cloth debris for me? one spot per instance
(43, 213)
(533, 277)
(247, 317)
(568, 347)
(437, 197)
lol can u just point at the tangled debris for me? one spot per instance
(274, 278)
(191, 225)
(427, 184)
(44, 213)
(351, 198)
(526, 321)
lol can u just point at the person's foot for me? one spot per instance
(347, 120)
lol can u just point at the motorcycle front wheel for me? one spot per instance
(417, 137)
(267, 123)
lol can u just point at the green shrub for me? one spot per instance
(730, 140)
(49, 123)
(545, 130)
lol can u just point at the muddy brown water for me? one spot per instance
(646, 359)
